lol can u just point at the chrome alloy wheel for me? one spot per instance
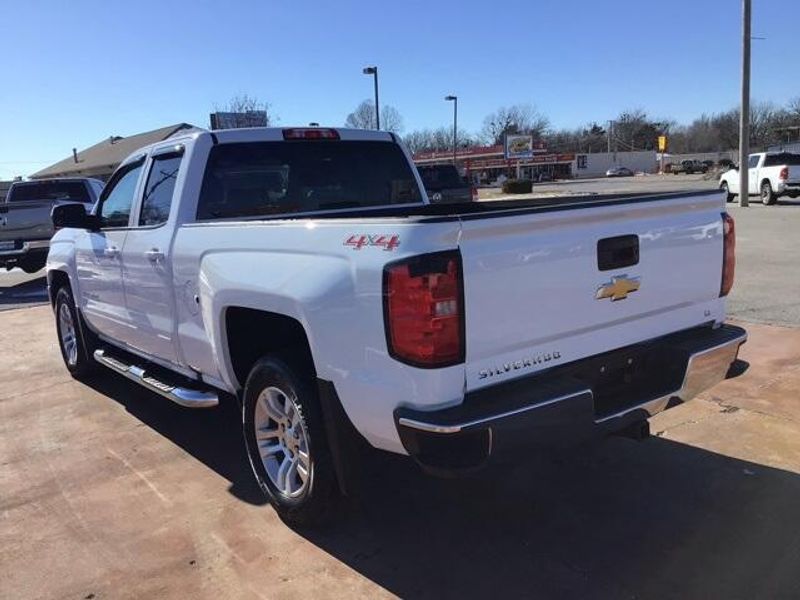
(69, 339)
(282, 442)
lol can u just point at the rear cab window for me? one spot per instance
(73, 191)
(784, 158)
(259, 179)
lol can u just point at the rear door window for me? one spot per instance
(74, 191)
(159, 189)
(268, 178)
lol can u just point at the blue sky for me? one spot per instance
(76, 72)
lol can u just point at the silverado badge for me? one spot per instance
(618, 288)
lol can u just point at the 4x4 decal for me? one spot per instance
(387, 242)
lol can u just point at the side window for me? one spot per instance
(752, 162)
(117, 198)
(159, 188)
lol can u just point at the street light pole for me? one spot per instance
(454, 100)
(744, 116)
(374, 72)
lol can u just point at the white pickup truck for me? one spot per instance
(770, 175)
(304, 271)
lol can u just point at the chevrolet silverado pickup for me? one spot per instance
(25, 224)
(770, 176)
(304, 271)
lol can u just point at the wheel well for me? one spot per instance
(763, 181)
(55, 281)
(253, 333)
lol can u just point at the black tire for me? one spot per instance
(728, 196)
(80, 362)
(768, 197)
(316, 503)
(31, 265)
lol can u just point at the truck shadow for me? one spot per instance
(652, 519)
(618, 519)
(213, 436)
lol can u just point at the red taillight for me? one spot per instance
(474, 194)
(424, 310)
(784, 174)
(728, 254)
(310, 133)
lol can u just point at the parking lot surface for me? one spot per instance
(651, 184)
(108, 491)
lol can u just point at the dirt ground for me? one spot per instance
(109, 491)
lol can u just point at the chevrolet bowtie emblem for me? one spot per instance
(618, 288)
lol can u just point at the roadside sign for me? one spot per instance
(518, 146)
(662, 143)
(235, 120)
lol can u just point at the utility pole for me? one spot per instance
(454, 100)
(610, 127)
(744, 117)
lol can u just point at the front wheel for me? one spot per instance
(286, 442)
(71, 341)
(728, 196)
(768, 197)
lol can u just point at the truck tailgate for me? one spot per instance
(541, 289)
(26, 220)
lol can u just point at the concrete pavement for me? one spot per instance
(109, 491)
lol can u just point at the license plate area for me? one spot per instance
(629, 376)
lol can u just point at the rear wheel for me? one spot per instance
(767, 195)
(728, 195)
(286, 442)
(76, 348)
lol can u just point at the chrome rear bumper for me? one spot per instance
(573, 402)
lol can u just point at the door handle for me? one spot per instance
(154, 255)
(111, 251)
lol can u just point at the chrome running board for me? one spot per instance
(188, 397)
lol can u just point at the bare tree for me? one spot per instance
(518, 118)
(363, 117)
(437, 140)
(793, 108)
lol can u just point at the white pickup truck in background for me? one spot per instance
(770, 176)
(25, 223)
(304, 271)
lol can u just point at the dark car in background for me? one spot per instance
(443, 184)
(619, 172)
(689, 167)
